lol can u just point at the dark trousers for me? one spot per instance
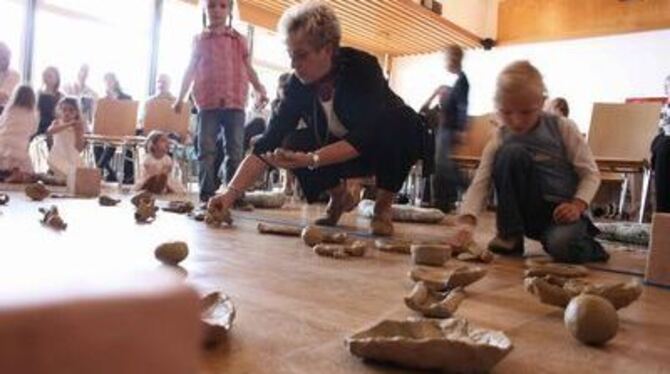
(661, 163)
(389, 158)
(103, 158)
(447, 179)
(523, 211)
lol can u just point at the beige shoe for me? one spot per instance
(381, 225)
(337, 207)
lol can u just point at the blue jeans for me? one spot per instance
(447, 180)
(209, 132)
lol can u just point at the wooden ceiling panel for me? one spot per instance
(395, 27)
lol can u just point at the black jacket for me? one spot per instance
(455, 107)
(363, 102)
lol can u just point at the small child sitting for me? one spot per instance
(543, 172)
(157, 166)
(67, 131)
(18, 123)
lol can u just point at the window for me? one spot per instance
(270, 58)
(109, 36)
(12, 15)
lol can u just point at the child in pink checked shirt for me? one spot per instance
(220, 72)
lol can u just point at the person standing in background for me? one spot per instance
(9, 78)
(220, 72)
(453, 121)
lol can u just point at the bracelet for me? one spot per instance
(314, 157)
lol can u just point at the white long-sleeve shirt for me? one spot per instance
(578, 153)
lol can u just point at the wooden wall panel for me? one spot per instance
(539, 20)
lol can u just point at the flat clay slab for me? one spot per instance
(218, 314)
(450, 344)
(447, 278)
(404, 213)
(433, 304)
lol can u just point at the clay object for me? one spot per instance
(171, 253)
(431, 255)
(331, 250)
(4, 199)
(620, 295)
(52, 218)
(37, 191)
(404, 213)
(284, 230)
(156, 184)
(265, 200)
(146, 211)
(393, 246)
(105, 200)
(561, 270)
(445, 279)
(198, 215)
(141, 196)
(356, 249)
(179, 207)
(591, 319)
(548, 293)
(449, 344)
(312, 236)
(216, 216)
(434, 304)
(218, 313)
(473, 252)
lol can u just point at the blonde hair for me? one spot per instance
(152, 139)
(520, 77)
(316, 19)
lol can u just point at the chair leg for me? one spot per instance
(622, 196)
(646, 180)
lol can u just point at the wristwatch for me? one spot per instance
(314, 158)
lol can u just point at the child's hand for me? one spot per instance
(569, 212)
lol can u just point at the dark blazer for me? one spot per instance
(363, 102)
(455, 107)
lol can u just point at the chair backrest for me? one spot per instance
(623, 131)
(159, 115)
(115, 117)
(479, 131)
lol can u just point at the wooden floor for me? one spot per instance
(295, 309)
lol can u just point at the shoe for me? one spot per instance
(512, 246)
(242, 206)
(335, 210)
(381, 225)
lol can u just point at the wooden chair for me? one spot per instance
(620, 136)
(467, 155)
(159, 115)
(114, 124)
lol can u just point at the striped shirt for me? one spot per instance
(221, 77)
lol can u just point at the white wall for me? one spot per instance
(584, 71)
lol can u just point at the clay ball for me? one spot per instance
(171, 253)
(591, 319)
(312, 236)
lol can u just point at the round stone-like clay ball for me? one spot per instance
(312, 236)
(171, 253)
(591, 319)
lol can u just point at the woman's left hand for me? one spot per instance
(286, 159)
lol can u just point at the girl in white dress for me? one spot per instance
(67, 131)
(18, 123)
(157, 166)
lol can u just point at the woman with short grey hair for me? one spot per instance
(337, 120)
